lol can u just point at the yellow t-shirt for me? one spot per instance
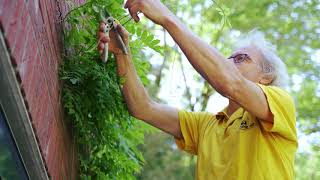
(241, 147)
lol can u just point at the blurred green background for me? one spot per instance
(293, 26)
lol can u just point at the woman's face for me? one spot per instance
(248, 60)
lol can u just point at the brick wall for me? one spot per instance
(32, 30)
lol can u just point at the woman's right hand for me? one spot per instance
(114, 45)
(152, 9)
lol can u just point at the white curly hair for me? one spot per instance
(272, 64)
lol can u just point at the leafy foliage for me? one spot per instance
(162, 156)
(106, 135)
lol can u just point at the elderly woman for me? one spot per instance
(254, 137)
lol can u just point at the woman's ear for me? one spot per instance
(267, 78)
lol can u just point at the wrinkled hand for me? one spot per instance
(114, 45)
(152, 9)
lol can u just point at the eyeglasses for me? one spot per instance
(239, 58)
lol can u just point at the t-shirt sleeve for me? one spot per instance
(282, 107)
(192, 125)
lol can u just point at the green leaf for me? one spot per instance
(155, 42)
(74, 81)
(106, 135)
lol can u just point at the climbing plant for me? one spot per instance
(106, 135)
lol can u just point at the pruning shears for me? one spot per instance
(111, 25)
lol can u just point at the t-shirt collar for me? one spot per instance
(237, 114)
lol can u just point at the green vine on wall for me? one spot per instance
(106, 135)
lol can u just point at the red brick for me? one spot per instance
(52, 38)
(41, 97)
(74, 163)
(46, 118)
(33, 110)
(30, 51)
(54, 166)
(33, 7)
(20, 45)
(49, 118)
(53, 86)
(54, 148)
(17, 34)
(11, 12)
(64, 8)
(31, 48)
(1, 8)
(40, 108)
(37, 73)
(29, 77)
(55, 97)
(37, 21)
(54, 26)
(63, 172)
(42, 51)
(56, 157)
(47, 55)
(6, 12)
(12, 27)
(31, 89)
(51, 74)
(39, 29)
(63, 123)
(25, 70)
(35, 96)
(44, 12)
(82, 1)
